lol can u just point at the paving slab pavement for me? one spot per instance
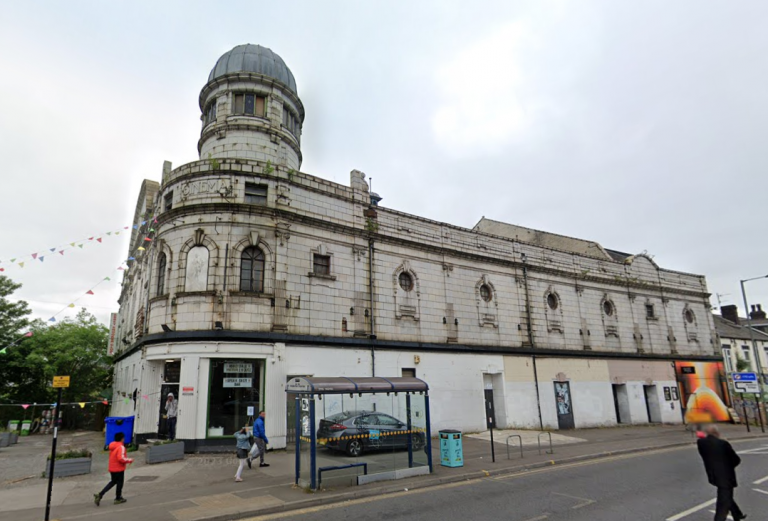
(202, 486)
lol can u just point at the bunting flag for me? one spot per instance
(28, 334)
(52, 319)
(92, 239)
(3, 350)
(82, 405)
(2, 269)
(145, 396)
(127, 401)
(105, 402)
(147, 239)
(71, 305)
(89, 292)
(141, 248)
(25, 405)
(107, 278)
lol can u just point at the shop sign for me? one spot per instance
(237, 382)
(112, 334)
(231, 367)
(187, 391)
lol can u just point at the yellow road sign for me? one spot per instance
(61, 381)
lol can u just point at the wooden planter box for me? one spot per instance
(69, 467)
(5, 439)
(165, 452)
(14, 437)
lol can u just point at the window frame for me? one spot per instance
(168, 201)
(552, 302)
(242, 100)
(254, 198)
(162, 266)
(608, 308)
(325, 268)
(727, 358)
(650, 311)
(256, 256)
(409, 277)
(488, 295)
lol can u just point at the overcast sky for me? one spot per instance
(640, 125)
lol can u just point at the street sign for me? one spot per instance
(746, 386)
(60, 381)
(688, 370)
(745, 377)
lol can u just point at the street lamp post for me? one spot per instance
(755, 351)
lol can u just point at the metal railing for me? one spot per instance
(551, 449)
(521, 444)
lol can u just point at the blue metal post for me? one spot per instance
(313, 445)
(298, 439)
(409, 426)
(429, 432)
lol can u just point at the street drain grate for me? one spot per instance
(143, 478)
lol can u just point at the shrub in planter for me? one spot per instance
(70, 463)
(163, 451)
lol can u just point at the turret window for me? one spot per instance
(250, 104)
(255, 194)
(210, 113)
(290, 122)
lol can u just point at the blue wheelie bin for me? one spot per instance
(117, 424)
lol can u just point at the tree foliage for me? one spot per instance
(74, 347)
(13, 315)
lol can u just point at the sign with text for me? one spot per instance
(61, 381)
(746, 387)
(187, 391)
(231, 367)
(237, 382)
(688, 370)
(745, 377)
(112, 334)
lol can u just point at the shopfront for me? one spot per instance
(235, 395)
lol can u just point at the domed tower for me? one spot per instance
(251, 109)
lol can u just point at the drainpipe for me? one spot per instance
(529, 327)
(373, 312)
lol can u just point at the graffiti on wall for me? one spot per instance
(704, 396)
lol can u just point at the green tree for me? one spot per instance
(13, 315)
(74, 347)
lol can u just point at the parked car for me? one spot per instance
(357, 431)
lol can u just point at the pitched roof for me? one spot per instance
(727, 329)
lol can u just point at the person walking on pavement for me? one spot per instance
(171, 411)
(720, 462)
(117, 464)
(242, 451)
(260, 439)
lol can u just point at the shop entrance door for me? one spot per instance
(564, 405)
(171, 377)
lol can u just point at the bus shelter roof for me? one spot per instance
(343, 385)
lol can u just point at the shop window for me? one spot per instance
(250, 104)
(234, 387)
(252, 270)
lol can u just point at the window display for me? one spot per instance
(235, 386)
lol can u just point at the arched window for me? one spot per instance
(161, 267)
(252, 270)
(197, 269)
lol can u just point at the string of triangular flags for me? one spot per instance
(57, 251)
(25, 406)
(123, 267)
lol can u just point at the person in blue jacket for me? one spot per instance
(260, 439)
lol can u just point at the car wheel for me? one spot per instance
(355, 448)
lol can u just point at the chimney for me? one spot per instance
(730, 312)
(757, 314)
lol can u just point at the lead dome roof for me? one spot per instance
(256, 59)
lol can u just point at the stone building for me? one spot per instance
(248, 271)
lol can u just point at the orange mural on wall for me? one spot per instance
(703, 391)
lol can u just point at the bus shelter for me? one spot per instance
(360, 430)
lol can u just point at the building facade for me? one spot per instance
(248, 272)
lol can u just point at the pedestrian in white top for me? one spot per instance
(171, 411)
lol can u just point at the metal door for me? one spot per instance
(564, 405)
(490, 411)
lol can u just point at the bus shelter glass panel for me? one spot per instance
(368, 434)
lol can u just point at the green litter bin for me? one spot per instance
(451, 450)
(13, 425)
(25, 426)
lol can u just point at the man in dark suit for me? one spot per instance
(720, 462)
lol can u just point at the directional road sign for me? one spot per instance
(746, 387)
(745, 377)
